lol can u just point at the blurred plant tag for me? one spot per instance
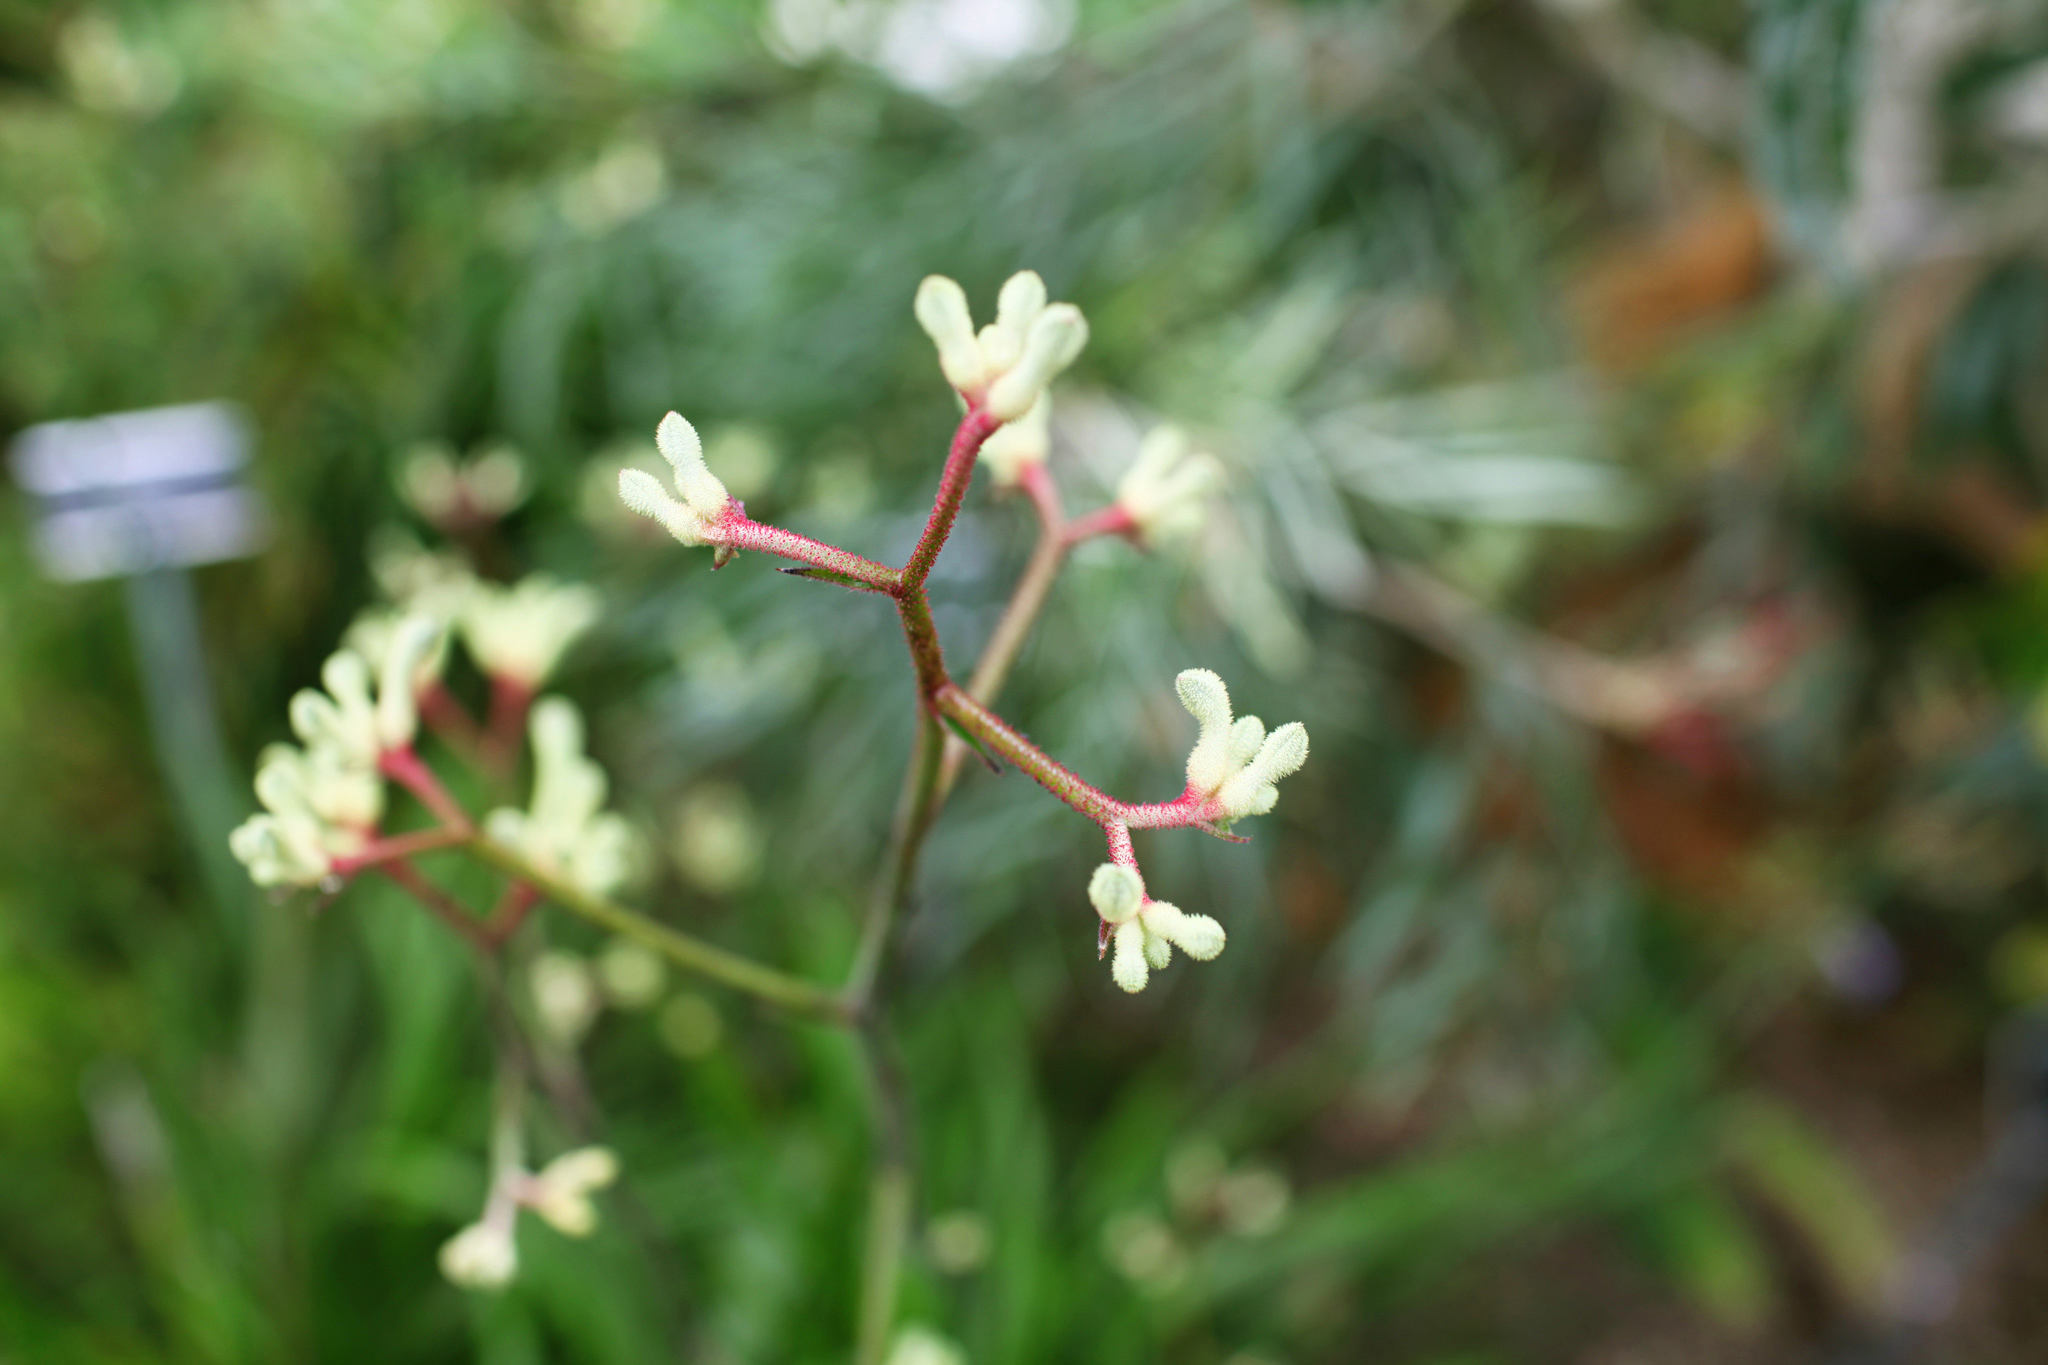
(133, 491)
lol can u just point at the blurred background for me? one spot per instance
(1637, 417)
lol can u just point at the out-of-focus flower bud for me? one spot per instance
(518, 634)
(561, 1192)
(565, 997)
(1167, 489)
(566, 830)
(481, 1256)
(1016, 445)
(451, 494)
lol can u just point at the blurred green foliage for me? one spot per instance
(1519, 1052)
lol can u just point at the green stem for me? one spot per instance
(913, 819)
(889, 1200)
(692, 954)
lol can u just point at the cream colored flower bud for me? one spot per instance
(561, 1192)
(1055, 339)
(1116, 892)
(633, 974)
(520, 633)
(1167, 489)
(397, 714)
(1018, 305)
(701, 490)
(1019, 444)
(481, 1256)
(643, 493)
(280, 850)
(941, 309)
(1129, 968)
(1236, 764)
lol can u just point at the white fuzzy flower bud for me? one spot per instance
(1147, 931)
(1016, 445)
(1115, 892)
(1236, 763)
(701, 490)
(1166, 490)
(280, 851)
(481, 1256)
(561, 1192)
(704, 498)
(520, 633)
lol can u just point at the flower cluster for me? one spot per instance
(1004, 367)
(323, 802)
(485, 1255)
(1235, 764)
(566, 831)
(704, 500)
(1166, 490)
(1146, 931)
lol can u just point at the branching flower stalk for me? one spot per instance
(324, 806)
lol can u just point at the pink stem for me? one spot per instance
(1112, 520)
(400, 846)
(404, 767)
(977, 426)
(734, 530)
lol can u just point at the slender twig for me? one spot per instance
(892, 885)
(443, 906)
(977, 426)
(403, 766)
(738, 533)
(693, 954)
(400, 846)
(889, 1196)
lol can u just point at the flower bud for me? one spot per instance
(520, 633)
(1166, 490)
(701, 490)
(1055, 339)
(643, 493)
(1115, 892)
(1015, 445)
(941, 309)
(561, 1192)
(397, 715)
(481, 1256)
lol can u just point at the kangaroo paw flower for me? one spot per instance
(693, 519)
(1144, 931)
(1167, 489)
(1006, 365)
(1235, 765)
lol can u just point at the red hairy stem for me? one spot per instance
(977, 426)
(1048, 556)
(734, 530)
(404, 767)
(993, 731)
(921, 634)
(400, 846)
(443, 906)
